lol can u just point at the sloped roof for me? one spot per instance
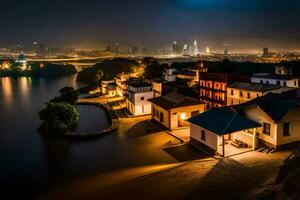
(275, 76)
(174, 100)
(274, 105)
(223, 121)
(253, 86)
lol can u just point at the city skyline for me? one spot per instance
(244, 25)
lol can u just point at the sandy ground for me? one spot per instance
(229, 178)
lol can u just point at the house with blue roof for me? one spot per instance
(272, 121)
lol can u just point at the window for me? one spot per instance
(142, 98)
(248, 95)
(266, 128)
(295, 83)
(277, 82)
(286, 129)
(284, 83)
(194, 113)
(203, 135)
(241, 93)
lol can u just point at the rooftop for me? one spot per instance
(253, 86)
(274, 76)
(174, 100)
(274, 105)
(139, 84)
(223, 121)
(187, 73)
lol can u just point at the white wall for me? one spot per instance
(244, 137)
(211, 138)
(293, 118)
(257, 115)
(289, 83)
(142, 107)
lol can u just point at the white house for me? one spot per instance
(272, 121)
(137, 97)
(172, 110)
(276, 79)
(169, 74)
(241, 92)
(120, 81)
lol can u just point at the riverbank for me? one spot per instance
(110, 114)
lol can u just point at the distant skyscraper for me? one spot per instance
(266, 52)
(195, 50)
(186, 49)
(175, 47)
(226, 49)
(207, 50)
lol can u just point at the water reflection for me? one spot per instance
(24, 84)
(7, 90)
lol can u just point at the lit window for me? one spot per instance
(183, 116)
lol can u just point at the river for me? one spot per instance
(32, 163)
(29, 161)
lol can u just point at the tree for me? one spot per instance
(68, 95)
(107, 70)
(154, 69)
(58, 117)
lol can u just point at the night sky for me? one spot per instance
(243, 24)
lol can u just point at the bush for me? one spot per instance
(58, 117)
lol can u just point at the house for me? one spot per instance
(241, 92)
(157, 85)
(213, 129)
(108, 88)
(120, 81)
(111, 90)
(191, 74)
(172, 110)
(213, 87)
(276, 79)
(137, 96)
(272, 121)
(169, 74)
(284, 70)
